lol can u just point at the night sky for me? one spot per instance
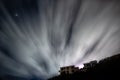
(37, 37)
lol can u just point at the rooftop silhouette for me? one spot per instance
(108, 68)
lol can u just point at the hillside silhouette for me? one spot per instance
(105, 69)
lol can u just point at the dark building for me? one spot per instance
(68, 69)
(90, 64)
(105, 69)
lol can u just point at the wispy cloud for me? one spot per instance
(48, 34)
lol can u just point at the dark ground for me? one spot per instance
(106, 69)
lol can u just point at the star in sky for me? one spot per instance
(16, 14)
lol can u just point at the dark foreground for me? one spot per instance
(106, 69)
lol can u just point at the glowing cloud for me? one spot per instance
(39, 36)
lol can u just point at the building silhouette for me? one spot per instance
(68, 70)
(105, 69)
